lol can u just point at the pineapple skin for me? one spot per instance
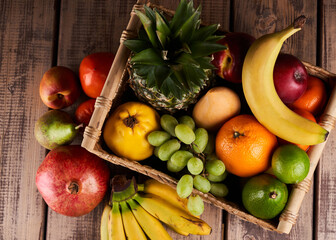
(158, 100)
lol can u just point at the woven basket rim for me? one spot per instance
(92, 135)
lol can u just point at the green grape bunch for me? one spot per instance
(184, 146)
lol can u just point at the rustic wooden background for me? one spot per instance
(38, 34)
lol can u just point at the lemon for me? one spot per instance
(264, 196)
(290, 164)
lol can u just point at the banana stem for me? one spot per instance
(299, 21)
(123, 188)
(291, 29)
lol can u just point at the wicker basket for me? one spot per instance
(111, 96)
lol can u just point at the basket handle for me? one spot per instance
(291, 211)
(113, 81)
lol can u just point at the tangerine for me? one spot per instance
(314, 98)
(245, 146)
(308, 115)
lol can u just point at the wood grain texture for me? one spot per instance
(85, 27)
(258, 18)
(325, 221)
(261, 17)
(25, 54)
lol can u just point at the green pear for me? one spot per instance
(55, 128)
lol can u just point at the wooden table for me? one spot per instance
(39, 34)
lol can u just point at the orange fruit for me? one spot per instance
(245, 146)
(307, 115)
(314, 98)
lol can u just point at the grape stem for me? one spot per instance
(199, 155)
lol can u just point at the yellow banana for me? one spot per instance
(171, 215)
(261, 96)
(104, 235)
(178, 230)
(166, 192)
(132, 228)
(151, 226)
(115, 225)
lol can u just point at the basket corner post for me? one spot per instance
(88, 142)
(284, 227)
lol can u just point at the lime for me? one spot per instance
(264, 196)
(290, 164)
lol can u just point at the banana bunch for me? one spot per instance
(261, 96)
(136, 212)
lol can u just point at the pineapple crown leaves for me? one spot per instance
(173, 56)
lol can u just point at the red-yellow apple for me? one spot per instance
(229, 62)
(59, 87)
(72, 181)
(290, 77)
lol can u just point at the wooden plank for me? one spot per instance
(325, 222)
(258, 18)
(87, 27)
(25, 54)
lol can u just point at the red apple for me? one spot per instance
(72, 181)
(84, 111)
(93, 72)
(290, 77)
(229, 62)
(59, 87)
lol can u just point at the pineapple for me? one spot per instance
(171, 60)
